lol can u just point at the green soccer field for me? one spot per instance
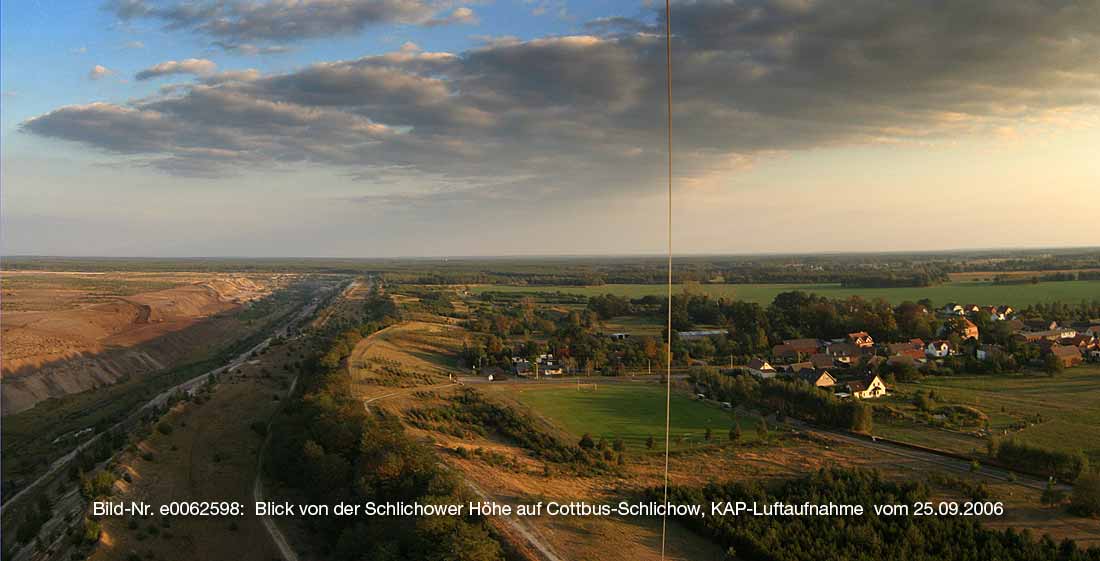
(981, 293)
(634, 412)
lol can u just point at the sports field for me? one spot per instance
(982, 293)
(1069, 406)
(634, 412)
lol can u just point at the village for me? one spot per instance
(851, 367)
(859, 367)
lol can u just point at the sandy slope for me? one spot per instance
(54, 352)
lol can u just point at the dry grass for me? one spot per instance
(210, 454)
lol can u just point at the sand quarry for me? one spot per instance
(69, 332)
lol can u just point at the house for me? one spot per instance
(952, 309)
(845, 352)
(551, 367)
(1094, 329)
(903, 359)
(861, 339)
(971, 309)
(913, 349)
(822, 361)
(547, 366)
(619, 336)
(1069, 356)
(873, 362)
(1056, 334)
(969, 330)
(865, 388)
(807, 346)
(1003, 312)
(987, 352)
(791, 349)
(817, 378)
(761, 369)
(795, 367)
(938, 348)
(1040, 325)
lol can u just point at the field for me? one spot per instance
(1068, 404)
(633, 412)
(1017, 295)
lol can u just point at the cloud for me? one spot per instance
(135, 45)
(99, 71)
(241, 22)
(559, 117)
(197, 66)
(458, 15)
(250, 49)
(79, 50)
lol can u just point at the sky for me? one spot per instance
(370, 128)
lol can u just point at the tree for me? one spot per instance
(707, 435)
(1052, 495)
(649, 442)
(1085, 500)
(1052, 364)
(587, 443)
(762, 429)
(735, 432)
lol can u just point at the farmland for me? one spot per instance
(979, 292)
(633, 412)
(1061, 412)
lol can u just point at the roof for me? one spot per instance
(759, 364)
(899, 348)
(821, 360)
(858, 335)
(797, 366)
(843, 349)
(813, 376)
(802, 343)
(1065, 351)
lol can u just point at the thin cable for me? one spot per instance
(668, 354)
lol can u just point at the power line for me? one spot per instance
(668, 354)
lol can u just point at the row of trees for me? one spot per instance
(330, 449)
(796, 398)
(810, 538)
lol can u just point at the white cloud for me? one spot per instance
(99, 72)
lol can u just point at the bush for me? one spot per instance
(164, 428)
(1085, 500)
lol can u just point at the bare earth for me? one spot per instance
(64, 333)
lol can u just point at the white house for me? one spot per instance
(938, 349)
(761, 368)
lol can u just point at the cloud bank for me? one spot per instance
(563, 116)
(238, 22)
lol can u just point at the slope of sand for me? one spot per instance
(53, 352)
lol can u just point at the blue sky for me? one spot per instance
(442, 127)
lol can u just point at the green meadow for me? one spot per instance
(634, 412)
(982, 293)
(1068, 403)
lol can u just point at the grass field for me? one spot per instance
(1017, 295)
(1068, 403)
(633, 412)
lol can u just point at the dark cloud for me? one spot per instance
(562, 116)
(235, 23)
